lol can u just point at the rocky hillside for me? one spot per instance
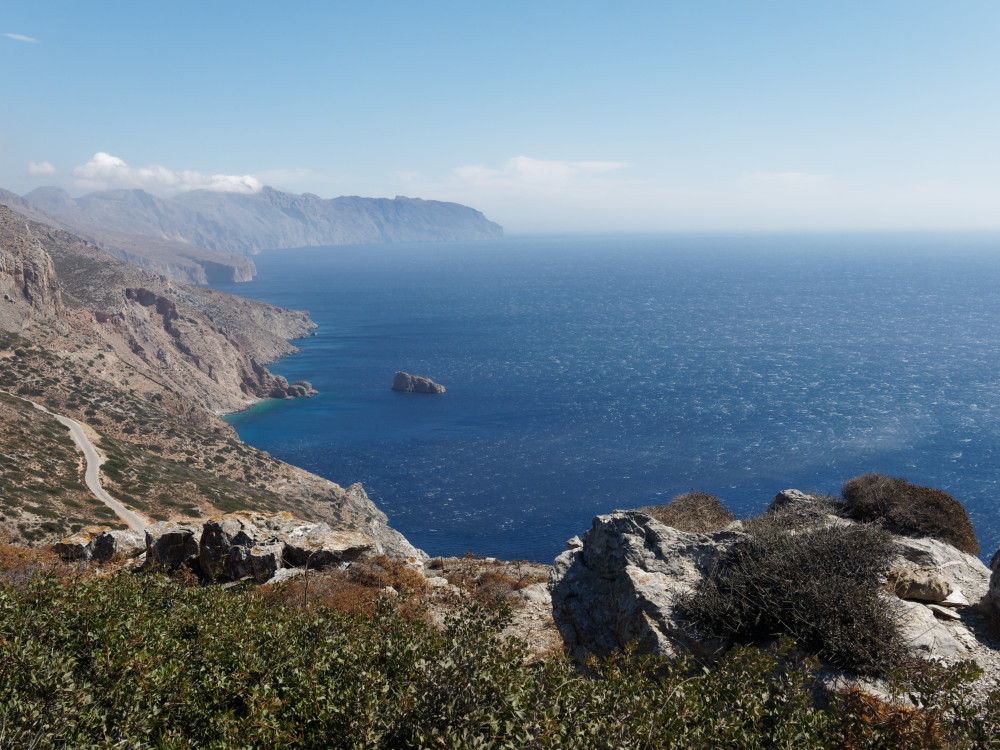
(210, 347)
(176, 260)
(145, 365)
(246, 224)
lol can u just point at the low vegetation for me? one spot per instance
(695, 512)
(909, 509)
(143, 660)
(818, 585)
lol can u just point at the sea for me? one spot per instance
(586, 374)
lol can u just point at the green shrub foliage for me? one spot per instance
(146, 661)
(696, 512)
(819, 586)
(909, 509)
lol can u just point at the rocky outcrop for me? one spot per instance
(248, 544)
(172, 544)
(99, 544)
(406, 383)
(622, 583)
(244, 224)
(992, 600)
(29, 287)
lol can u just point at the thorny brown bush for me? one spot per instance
(909, 509)
(818, 585)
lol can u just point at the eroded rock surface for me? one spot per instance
(249, 544)
(99, 543)
(406, 383)
(622, 583)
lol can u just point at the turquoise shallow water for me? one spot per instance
(587, 374)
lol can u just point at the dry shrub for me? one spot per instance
(909, 509)
(381, 571)
(493, 587)
(818, 586)
(868, 721)
(694, 512)
(19, 564)
(490, 586)
(356, 589)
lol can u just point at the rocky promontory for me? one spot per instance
(856, 591)
(406, 383)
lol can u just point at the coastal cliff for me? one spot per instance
(146, 365)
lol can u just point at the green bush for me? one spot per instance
(818, 585)
(909, 509)
(695, 512)
(146, 661)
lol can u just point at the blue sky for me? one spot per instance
(548, 116)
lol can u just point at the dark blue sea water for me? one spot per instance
(590, 374)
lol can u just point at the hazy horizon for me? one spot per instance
(565, 117)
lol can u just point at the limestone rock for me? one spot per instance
(625, 582)
(960, 569)
(955, 599)
(233, 547)
(922, 584)
(283, 574)
(172, 544)
(250, 544)
(943, 612)
(406, 383)
(316, 545)
(992, 599)
(922, 633)
(99, 543)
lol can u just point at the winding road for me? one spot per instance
(93, 475)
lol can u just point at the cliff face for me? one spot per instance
(29, 289)
(245, 224)
(210, 347)
(175, 260)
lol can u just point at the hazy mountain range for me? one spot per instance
(203, 236)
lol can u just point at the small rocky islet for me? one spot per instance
(404, 382)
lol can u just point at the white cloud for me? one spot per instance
(104, 172)
(279, 177)
(41, 169)
(21, 38)
(525, 172)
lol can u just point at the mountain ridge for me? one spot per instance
(245, 224)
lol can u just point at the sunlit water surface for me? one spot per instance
(590, 374)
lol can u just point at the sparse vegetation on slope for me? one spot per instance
(164, 459)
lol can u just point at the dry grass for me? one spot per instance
(356, 589)
(694, 512)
